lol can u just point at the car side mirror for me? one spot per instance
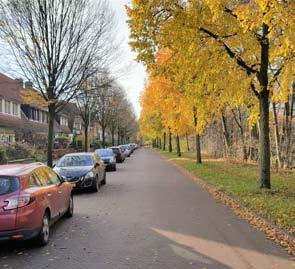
(63, 180)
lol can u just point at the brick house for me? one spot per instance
(11, 119)
(24, 114)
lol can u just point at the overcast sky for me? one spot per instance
(134, 80)
(134, 75)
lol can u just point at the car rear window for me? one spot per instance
(8, 185)
(104, 152)
(75, 160)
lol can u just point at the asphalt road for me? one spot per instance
(149, 216)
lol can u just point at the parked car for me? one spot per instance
(126, 150)
(85, 170)
(119, 154)
(109, 158)
(32, 197)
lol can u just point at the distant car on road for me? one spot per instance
(109, 158)
(32, 197)
(127, 150)
(85, 170)
(119, 154)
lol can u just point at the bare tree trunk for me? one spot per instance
(198, 149)
(264, 140)
(187, 142)
(264, 110)
(51, 109)
(86, 133)
(113, 137)
(277, 135)
(226, 135)
(170, 141)
(164, 141)
(198, 139)
(103, 136)
(239, 122)
(178, 150)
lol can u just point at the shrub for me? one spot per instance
(3, 155)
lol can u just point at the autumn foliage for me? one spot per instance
(214, 58)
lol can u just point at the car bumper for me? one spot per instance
(19, 234)
(84, 184)
(110, 166)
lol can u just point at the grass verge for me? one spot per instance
(241, 182)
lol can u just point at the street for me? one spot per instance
(149, 215)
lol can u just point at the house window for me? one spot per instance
(77, 126)
(15, 109)
(44, 117)
(7, 107)
(1, 105)
(63, 121)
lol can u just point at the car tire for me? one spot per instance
(104, 181)
(95, 186)
(70, 211)
(43, 236)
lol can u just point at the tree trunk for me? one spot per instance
(160, 143)
(198, 139)
(170, 141)
(226, 135)
(164, 141)
(239, 122)
(51, 110)
(178, 146)
(264, 111)
(187, 142)
(198, 149)
(103, 137)
(86, 130)
(118, 138)
(113, 137)
(264, 140)
(277, 135)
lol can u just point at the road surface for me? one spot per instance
(148, 216)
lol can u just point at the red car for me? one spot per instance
(32, 197)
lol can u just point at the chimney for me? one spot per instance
(29, 85)
(20, 81)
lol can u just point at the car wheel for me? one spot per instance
(43, 236)
(70, 211)
(95, 185)
(104, 181)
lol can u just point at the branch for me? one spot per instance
(230, 52)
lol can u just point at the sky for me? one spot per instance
(133, 82)
(133, 76)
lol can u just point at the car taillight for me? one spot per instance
(18, 202)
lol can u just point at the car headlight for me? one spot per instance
(89, 175)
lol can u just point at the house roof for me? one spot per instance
(34, 99)
(10, 89)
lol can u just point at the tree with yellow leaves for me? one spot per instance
(255, 38)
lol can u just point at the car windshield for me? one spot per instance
(78, 160)
(115, 150)
(105, 153)
(8, 185)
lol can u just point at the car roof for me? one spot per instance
(18, 169)
(80, 154)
